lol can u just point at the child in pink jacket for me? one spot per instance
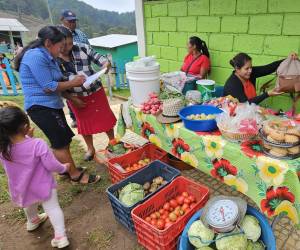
(29, 164)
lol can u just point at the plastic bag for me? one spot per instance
(176, 79)
(245, 121)
(193, 97)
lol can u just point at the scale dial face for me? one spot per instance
(222, 213)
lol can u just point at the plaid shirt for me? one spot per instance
(80, 37)
(83, 56)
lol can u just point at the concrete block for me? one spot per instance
(152, 24)
(266, 24)
(174, 66)
(167, 24)
(234, 24)
(198, 8)
(177, 9)
(164, 65)
(159, 10)
(149, 38)
(280, 45)
(208, 24)
(214, 58)
(251, 7)
(178, 39)
(280, 6)
(220, 75)
(291, 24)
(224, 58)
(181, 54)
(161, 38)
(153, 50)
(169, 53)
(222, 7)
(249, 43)
(147, 10)
(259, 60)
(186, 24)
(220, 42)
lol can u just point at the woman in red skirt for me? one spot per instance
(90, 106)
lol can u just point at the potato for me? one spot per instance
(158, 180)
(147, 186)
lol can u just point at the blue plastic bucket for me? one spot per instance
(267, 235)
(202, 125)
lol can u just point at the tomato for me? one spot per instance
(173, 203)
(148, 219)
(153, 216)
(164, 216)
(168, 224)
(180, 199)
(192, 204)
(171, 209)
(160, 224)
(177, 212)
(153, 222)
(157, 215)
(187, 201)
(172, 217)
(167, 220)
(184, 207)
(167, 206)
(192, 198)
(161, 211)
(185, 194)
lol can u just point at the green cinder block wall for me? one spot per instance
(268, 30)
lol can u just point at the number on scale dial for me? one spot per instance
(223, 212)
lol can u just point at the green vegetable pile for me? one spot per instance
(203, 238)
(131, 194)
(167, 94)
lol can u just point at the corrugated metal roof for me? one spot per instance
(10, 24)
(112, 41)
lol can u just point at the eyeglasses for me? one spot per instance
(71, 21)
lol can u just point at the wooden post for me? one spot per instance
(12, 43)
(140, 29)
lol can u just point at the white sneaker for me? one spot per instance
(30, 226)
(60, 243)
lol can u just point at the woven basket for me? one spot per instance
(237, 137)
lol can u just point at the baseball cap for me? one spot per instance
(68, 15)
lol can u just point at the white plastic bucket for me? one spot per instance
(142, 82)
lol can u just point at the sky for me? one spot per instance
(112, 5)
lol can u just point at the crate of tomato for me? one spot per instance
(160, 220)
(151, 179)
(123, 166)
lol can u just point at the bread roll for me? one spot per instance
(279, 152)
(291, 138)
(294, 150)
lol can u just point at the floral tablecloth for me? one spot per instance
(273, 184)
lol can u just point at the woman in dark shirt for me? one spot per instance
(242, 82)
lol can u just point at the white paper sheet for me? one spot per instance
(89, 80)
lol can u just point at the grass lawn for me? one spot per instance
(67, 191)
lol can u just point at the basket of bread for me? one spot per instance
(281, 138)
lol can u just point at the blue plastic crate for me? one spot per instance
(155, 169)
(267, 235)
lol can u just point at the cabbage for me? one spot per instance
(197, 232)
(255, 245)
(205, 248)
(251, 227)
(231, 242)
(131, 194)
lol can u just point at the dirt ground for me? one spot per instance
(89, 221)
